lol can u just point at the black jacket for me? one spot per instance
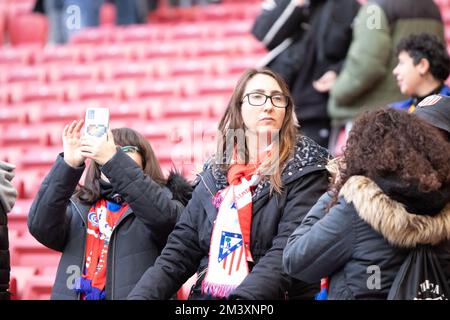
(304, 43)
(366, 228)
(4, 256)
(58, 221)
(274, 219)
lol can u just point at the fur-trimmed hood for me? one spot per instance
(180, 187)
(390, 217)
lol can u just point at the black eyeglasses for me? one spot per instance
(258, 99)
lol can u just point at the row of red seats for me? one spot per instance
(154, 69)
(231, 48)
(188, 88)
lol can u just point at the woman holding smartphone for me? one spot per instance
(114, 226)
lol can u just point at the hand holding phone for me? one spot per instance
(98, 142)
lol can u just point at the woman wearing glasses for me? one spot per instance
(114, 226)
(249, 198)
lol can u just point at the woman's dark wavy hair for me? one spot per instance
(89, 193)
(389, 141)
(426, 46)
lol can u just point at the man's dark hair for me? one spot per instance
(426, 46)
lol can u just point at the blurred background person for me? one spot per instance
(113, 226)
(423, 66)
(308, 42)
(8, 195)
(391, 195)
(366, 80)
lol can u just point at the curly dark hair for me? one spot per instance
(393, 142)
(426, 46)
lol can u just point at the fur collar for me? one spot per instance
(180, 188)
(391, 219)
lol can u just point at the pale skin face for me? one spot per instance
(266, 117)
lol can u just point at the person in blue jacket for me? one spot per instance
(423, 67)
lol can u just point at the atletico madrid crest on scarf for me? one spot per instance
(230, 241)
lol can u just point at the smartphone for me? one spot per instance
(96, 122)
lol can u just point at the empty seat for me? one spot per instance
(20, 275)
(25, 135)
(74, 73)
(13, 115)
(38, 288)
(39, 157)
(92, 36)
(107, 53)
(185, 110)
(12, 56)
(25, 74)
(52, 54)
(156, 89)
(40, 93)
(27, 251)
(17, 218)
(61, 113)
(98, 91)
(217, 86)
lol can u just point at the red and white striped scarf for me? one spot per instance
(229, 252)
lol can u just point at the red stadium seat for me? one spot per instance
(97, 91)
(27, 251)
(38, 157)
(217, 86)
(40, 93)
(156, 89)
(15, 56)
(62, 54)
(13, 115)
(92, 36)
(25, 135)
(20, 275)
(61, 113)
(74, 73)
(38, 288)
(185, 110)
(25, 74)
(17, 218)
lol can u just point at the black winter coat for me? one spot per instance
(274, 219)
(305, 43)
(58, 221)
(4, 256)
(366, 228)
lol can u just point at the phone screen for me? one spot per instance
(97, 122)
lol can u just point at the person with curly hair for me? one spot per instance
(392, 193)
(423, 67)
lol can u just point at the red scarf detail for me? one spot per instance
(101, 223)
(235, 175)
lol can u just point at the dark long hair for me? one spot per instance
(389, 141)
(89, 193)
(232, 119)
